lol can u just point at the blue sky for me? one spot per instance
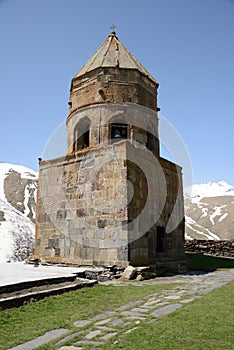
(186, 45)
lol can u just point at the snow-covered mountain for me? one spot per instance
(209, 211)
(18, 186)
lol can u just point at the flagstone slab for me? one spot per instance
(165, 310)
(93, 334)
(100, 323)
(43, 339)
(108, 336)
(81, 323)
(103, 315)
(70, 348)
(69, 337)
(117, 322)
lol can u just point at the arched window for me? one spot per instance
(81, 134)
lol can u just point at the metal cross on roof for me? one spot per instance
(113, 27)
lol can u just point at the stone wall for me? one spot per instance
(139, 119)
(106, 206)
(105, 85)
(216, 248)
(156, 208)
(82, 208)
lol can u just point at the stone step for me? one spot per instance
(14, 287)
(35, 293)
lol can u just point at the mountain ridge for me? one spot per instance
(209, 210)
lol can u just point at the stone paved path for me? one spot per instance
(91, 334)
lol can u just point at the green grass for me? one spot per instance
(207, 263)
(27, 322)
(204, 324)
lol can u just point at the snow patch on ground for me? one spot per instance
(189, 220)
(223, 217)
(2, 179)
(26, 199)
(187, 236)
(199, 229)
(204, 212)
(16, 232)
(217, 212)
(11, 273)
(25, 172)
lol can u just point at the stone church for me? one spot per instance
(111, 199)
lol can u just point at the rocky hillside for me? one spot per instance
(18, 186)
(210, 211)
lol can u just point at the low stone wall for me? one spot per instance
(215, 248)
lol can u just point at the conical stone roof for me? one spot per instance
(113, 54)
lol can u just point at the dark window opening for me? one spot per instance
(151, 245)
(81, 135)
(83, 141)
(151, 142)
(118, 132)
(160, 239)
